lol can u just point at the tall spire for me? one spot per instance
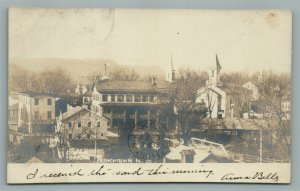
(219, 67)
(170, 74)
(172, 67)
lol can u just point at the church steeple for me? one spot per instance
(214, 73)
(170, 74)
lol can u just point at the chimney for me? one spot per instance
(152, 79)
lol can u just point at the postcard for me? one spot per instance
(149, 95)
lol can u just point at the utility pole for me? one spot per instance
(95, 159)
(260, 144)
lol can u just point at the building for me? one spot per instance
(35, 110)
(286, 107)
(253, 88)
(14, 136)
(127, 103)
(81, 123)
(223, 99)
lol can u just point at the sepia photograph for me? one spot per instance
(149, 95)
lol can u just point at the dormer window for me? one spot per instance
(36, 101)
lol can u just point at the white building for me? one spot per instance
(250, 86)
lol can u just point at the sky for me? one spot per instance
(243, 40)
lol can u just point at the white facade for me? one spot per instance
(214, 99)
(35, 109)
(250, 86)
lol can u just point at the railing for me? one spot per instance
(215, 148)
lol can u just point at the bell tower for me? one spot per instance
(170, 74)
(214, 74)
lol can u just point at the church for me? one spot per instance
(223, 99)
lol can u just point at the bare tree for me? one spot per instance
(124, 74)
(272, 89)
(86, 132)
(189, 113)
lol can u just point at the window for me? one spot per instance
(98, 124)
(101, 134)
(78, 124)
(89, 124)
(74, 101)
(70, 124)
(151, 98)
(120, 98)
(70, 136)
(49, 115)
(137, 98)
(49, 101)
(36, 115)
(145, 98)
(113, 98)
(79, 136)
(129, 98)
(36, 101)
(88, 136)
(104, 98)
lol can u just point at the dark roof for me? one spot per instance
(188, 152)
(37, 94)
(136, 86)
(70, 95)
(88, 143)
(88, 93)
(233, 88)
(233, 123)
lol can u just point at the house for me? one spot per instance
(35, 109)
(81, 123)
(253, 88)
(286, 107)
(14, 137)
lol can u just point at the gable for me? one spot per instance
(215, 89)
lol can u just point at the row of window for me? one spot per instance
(122, 98)
(79, 124)
(37, 100)
(37, 115)
(88, 136)
(286, 106)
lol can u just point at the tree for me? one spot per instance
(124, 73)
(120, 73)
(86, 132)
(47, 81)
(53, 81)
(272, 89)
(189, 113)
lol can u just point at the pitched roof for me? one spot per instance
(75, 110)
(37, 94)
(72, 112)
(234, 123)
(136, 86)
(88, 143)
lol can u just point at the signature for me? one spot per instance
(257, 176)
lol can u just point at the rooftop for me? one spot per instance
(136, 86)
(36, 94)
